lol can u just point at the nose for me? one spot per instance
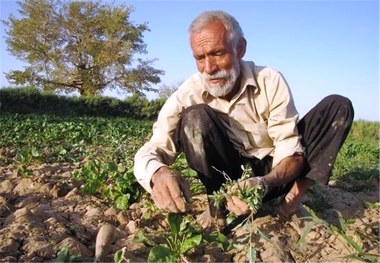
(210, 66)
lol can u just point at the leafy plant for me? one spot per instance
(181, 238)
(122, 187)
(64, 256)
(251, 195)
(119, 256)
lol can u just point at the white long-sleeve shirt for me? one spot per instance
(261, 120)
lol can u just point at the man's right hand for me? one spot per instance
(170, 190)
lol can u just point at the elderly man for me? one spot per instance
(233, 112)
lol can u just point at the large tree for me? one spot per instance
(82, 46)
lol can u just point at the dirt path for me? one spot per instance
(43, 213)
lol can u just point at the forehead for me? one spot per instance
(213, 35)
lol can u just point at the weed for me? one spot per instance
(318, 201)
(251, 195)
(341, 230)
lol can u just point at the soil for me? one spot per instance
(45, 212)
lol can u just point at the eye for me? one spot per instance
(218, 53)
(199, 58)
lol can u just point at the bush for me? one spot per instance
(31, 100)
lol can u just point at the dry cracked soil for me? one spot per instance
(45, 212)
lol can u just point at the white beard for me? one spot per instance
(222, 90)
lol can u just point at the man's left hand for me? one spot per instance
(235, 204)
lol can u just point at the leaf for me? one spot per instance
(175, 221)
(251, 254)
(161, 253)
(122, 202)
(112, 167)
(190, 243)
(141, 238)
(342, 222)
(220, 240)
(63, 255)
(118, 256)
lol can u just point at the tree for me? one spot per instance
(82, 46)
(166, 90)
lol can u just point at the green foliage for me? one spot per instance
(365, 129)
(64, 256)
(358, 162)
(181, 238)
(117, 184)
(141, 107)
(252, 196)
(83, 46)
(165, 91)
(108, 145)
(32, 100)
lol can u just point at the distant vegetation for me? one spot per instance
(358, 162)
(32, 100)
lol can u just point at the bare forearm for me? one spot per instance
(287, 170)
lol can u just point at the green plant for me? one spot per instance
(120, 257)
(181, 238)
(64, 256)
(121, 187)
(251, 195)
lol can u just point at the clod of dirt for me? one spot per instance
(75, 247)
(107, 235)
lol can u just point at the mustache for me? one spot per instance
(222, 74)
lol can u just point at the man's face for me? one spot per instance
(216, 58)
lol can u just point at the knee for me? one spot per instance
(344, 110)
(342, 104)
(195, 120)
(195, 116)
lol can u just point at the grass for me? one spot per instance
(358, 162)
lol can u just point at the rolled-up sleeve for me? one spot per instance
(161, 149)
(282, 121)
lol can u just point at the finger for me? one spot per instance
(157, 199)
(230, 205)
(163, 200)
(237, 206)
(176, 202)
(185, 188)
(243, 207)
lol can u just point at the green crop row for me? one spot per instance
(105, 148)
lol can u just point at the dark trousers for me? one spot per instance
(204, 141)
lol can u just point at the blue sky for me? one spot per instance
(321, 47)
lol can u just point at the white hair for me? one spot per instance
(233, 28)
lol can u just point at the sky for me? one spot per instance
(321, 47)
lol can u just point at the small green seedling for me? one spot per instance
(182, 238)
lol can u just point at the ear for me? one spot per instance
(241, 47)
